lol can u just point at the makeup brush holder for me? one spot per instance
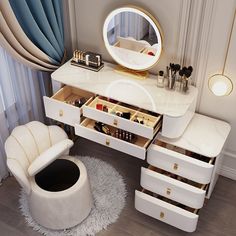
(169, 83)
(178, 85)
(87, 60)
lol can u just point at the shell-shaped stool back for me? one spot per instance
(25, 144)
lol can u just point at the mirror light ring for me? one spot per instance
(220, 85)
(154, 23)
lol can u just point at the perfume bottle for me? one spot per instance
(160, 79)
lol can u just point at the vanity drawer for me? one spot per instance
(136, 149)
(58, 107)
(188, 166)
(190, 194)
(160, 209)
(147, 130)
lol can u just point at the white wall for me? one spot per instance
(222, 107)
(195, 32)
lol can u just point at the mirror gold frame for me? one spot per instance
(153, 22)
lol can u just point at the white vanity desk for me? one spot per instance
(183, 165)
(177, 109)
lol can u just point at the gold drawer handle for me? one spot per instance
(176, 166)
(162, 215)
(115, 122)
(168, 191)
(107, 142)
(60, 112)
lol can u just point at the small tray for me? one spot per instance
(74, 63)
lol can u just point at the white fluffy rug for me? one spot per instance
(109, 192)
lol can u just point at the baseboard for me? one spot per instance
(228, 172)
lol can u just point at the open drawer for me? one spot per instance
(173, 187)
(146, 126)
(136, 148)
(166, 210)
(180, 162)
(59, 107)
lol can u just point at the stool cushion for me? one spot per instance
(48, 156)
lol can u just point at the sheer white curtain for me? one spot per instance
(133, 25)
(20, 99)
(130, 24)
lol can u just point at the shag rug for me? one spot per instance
(109, 192)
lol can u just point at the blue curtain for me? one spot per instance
(41, 20)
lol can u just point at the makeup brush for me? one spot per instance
(171, 65)
(169, 75)
(187, 73)
(190, 68)
(184, 69)
(181, 73)
(176, 67)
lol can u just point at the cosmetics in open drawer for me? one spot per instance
(122, 116)
(66, 105)
(117, 133)
(136, 148)
(72, 96)
(125, 111)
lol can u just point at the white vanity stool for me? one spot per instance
(61, 196)
(57, 185)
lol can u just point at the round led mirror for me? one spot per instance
(133, 38)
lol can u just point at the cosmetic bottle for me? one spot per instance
(126, 115)
(105, 108)
(99, 106)
(136, 119)
(98, 60)
(87, 60)
(77, 56)
(160, 79)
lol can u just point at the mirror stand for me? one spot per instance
(131, 73)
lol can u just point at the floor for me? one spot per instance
(216, 218)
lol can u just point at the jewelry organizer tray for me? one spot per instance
(74, 63)
(87, 60)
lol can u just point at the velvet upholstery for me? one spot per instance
(30, 149)
(26, 143)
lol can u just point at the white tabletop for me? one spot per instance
(141, 93)
(204, 135)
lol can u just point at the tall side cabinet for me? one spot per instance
(182, 173)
